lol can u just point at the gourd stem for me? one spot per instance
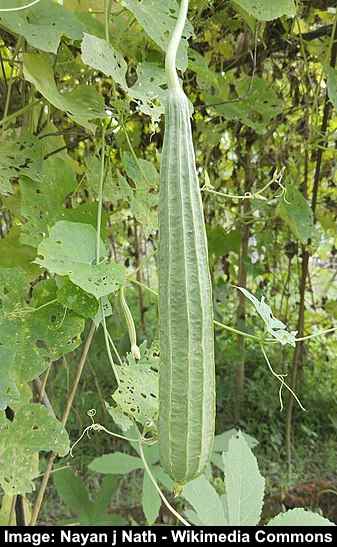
(172, 50)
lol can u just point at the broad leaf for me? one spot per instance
(266, 10)
(151, 500)
(30, 337)
(244, 484)
(221, 445)
(116, 463)
(164, 13)
(82, 104)
(101, 56)
(73, 297)
(70, 250)
(299, 517)
(33, 429)
(256, 106)
(205, 501)
(19, 156)
(296, 213)
(72, 491)
(43, 25)
(42, 198)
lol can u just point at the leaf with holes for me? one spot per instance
(43, 25)
(136, 399)
(73, 297)
(83, 103)
(70, 250)
(164, 13)
(100, 55)
(150, 90)
(29, 337)
(32, 429)
(265, 10)
(144, 200)
(42, 199)
(19, 156)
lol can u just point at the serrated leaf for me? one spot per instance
(33, 429)
(296, 213)
(70, 250)
(299, 517)
(274, 326)
(205, 501)
(244, 484)
(83, 104)
(137, 395)
(267, 10)
(221, 442)
(164, 13)
(117, 463)
(151, 500)
(43, 25)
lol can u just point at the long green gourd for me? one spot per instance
(187, 376)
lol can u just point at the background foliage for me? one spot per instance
(82, 89)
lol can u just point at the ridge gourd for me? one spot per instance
(187, 375)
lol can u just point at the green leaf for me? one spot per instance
(149, 91)
(43, 25)
(244, 484)
(221, 242)
(73, 297)
(33, 429)
(274, 326)
(332, 84)
(266, 10)
(207, 504)
(145, 196)
(117, 463)
(257, 106)
(29, 337)
(137, 394)
(72, 491)
(13, 253)
(103, 498)
(164, 13)
(221, 445)
(82, 104)
(70, 250)
(42, 199)
(296, 213)
(151, 500)
(100, 55)
(299, 517)
(19, 156)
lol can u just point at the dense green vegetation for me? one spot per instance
(83, 91)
